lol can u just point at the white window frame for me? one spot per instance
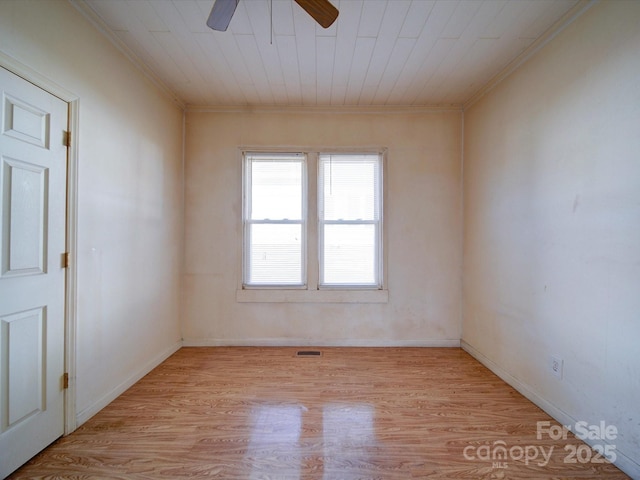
(377, 222)
(248, 221)
(311, 291)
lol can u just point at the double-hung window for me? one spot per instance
(274, 219)
(326, 241)
(349, 220)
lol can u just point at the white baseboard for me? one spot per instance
(119, 389)
(306, 342)
(623, 462)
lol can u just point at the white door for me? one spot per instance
(33, 170)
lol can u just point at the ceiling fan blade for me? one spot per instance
(322, 11)
(221, 14)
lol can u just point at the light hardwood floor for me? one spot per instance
(352, 413)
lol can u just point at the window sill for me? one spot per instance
(312, 296)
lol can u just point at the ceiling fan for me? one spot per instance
(322, 12)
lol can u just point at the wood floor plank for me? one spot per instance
(352, 413)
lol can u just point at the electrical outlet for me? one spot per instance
(555, 364)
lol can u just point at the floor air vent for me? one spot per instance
(308, 353)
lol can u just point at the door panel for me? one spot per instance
(25, 122)
(24, 217)
(26, 384)
(33, 169)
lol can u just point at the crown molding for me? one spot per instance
(568, 18)
(92, 17)
(326, 109)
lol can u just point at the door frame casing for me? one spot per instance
(71, 294)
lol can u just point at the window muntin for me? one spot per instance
(350, 220)
(347, 221)
(274, 219)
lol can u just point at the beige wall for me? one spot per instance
(552, 224)
(551, 230)
(129, 197)
(423, 218)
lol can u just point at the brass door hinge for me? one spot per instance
(64, 261)
(65, 380)
(66, 138)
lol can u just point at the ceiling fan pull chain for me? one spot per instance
(330, 175)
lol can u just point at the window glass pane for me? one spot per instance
(349, 253)
(275, 255)
(276, 189)
(349, 187)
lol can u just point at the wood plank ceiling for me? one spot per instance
(378, 52)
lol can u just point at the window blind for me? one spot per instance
(274, 219)
(349, 217)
